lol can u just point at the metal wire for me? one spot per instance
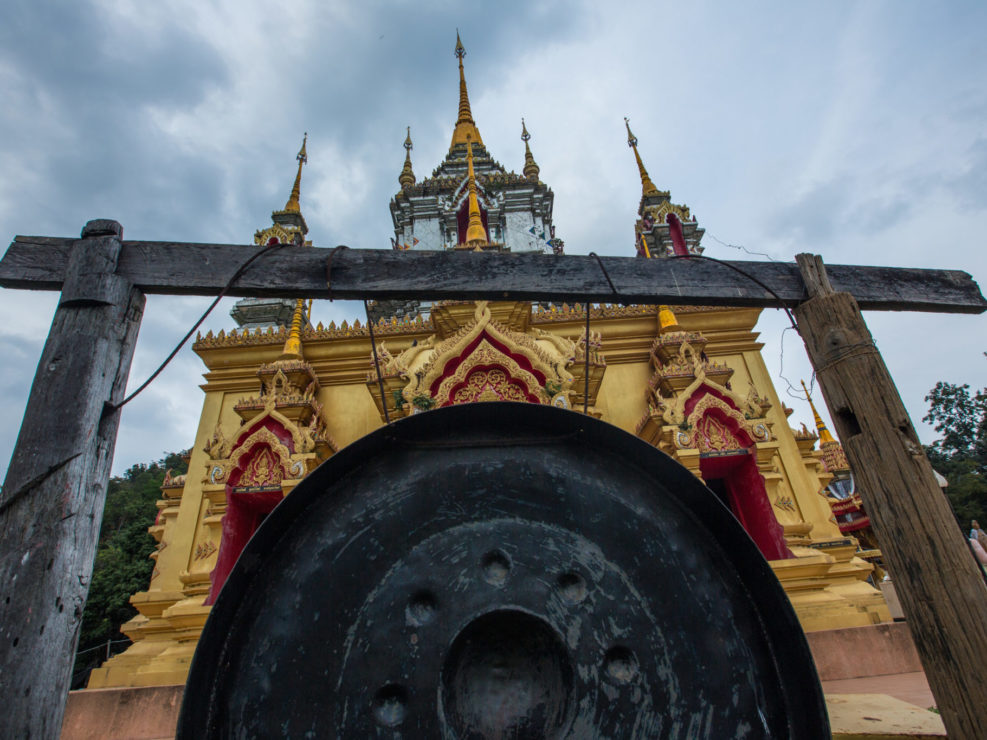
(109, 408)
(781, 303)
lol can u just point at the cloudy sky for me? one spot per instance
(854, 130)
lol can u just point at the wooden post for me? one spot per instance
(940, 586)
(52, 501)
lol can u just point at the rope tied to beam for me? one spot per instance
(109, 408)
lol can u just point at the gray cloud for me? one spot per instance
(182, 121)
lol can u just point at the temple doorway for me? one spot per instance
(734, 478)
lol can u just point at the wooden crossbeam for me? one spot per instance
(39, 263)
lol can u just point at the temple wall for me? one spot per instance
(618, 406)
(825, 586)
(518, 236)
(349, 411)
(427, 233)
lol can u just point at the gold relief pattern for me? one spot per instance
(218, 445)
(264, 469)
(786, 503)
(710, 401)
(659, 212)
(517, 381)
(712, 435)
(490, 385)
(486, 337)
(219, 470)
(834, 458)
(278, 234)
(700, 430)
(204, 549)
(271, 336)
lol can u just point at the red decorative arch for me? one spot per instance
(452, 365)
(728, 464)
(253, 489)
(496, 379)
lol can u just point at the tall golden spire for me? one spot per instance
(407, 176)
(465, 126)
(647, 186)
(531, 169)
(476, 235)
(824, 436)
(293, 345)
(292, 205)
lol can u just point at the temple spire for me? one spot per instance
(407, 176)
(293, 345)
(647, 186)
(292, 206)
(476, 235)
(465, 126)
(531, 169)
(824, 436)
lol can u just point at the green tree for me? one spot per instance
(123, 565)
(961, 454)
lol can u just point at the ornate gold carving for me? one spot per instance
(490, 385)
(786, 503)
(660, 211)
(204, 549)
(263, 469)
(712, 435)
(506, 379)
(834, 458)
(173, 481)
(218, 445)
(281, 234)
(488, 371)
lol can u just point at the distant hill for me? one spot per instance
(123, 565)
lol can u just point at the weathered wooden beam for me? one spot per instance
(39, 263)
(939, 583)
(51, 506)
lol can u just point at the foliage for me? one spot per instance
(961, 454)
(398, 399)
(123, 565)
(423, 403)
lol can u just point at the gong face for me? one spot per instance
(502, 571)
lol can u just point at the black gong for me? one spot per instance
(500, 570)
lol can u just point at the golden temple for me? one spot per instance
(282, 395)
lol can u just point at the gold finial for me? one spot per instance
(531, 169)
(824, 436)
(293, 345)
(292, 205)
(646, 184)
(666, 320)
(465, 126)
(475, 233)
(407, 176)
